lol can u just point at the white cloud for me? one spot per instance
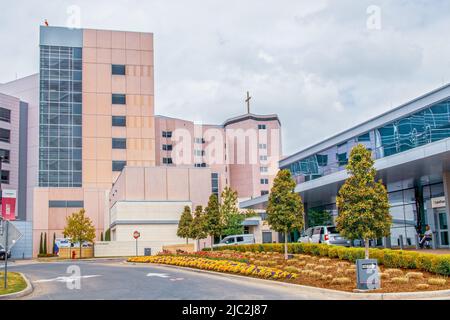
(314, 63)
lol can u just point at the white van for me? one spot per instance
(236, 240)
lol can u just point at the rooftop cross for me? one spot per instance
(248, 102)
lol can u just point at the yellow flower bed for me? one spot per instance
(217, 265)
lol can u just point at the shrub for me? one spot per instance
(414, 275)
(316, 274)
(341, 280)
(437, 281)
(394, 272)
(439, 264)
(400, 280)
(291, 269)
(350, 272)
(422, 286)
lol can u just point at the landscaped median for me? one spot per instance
(438, 264)
(319, 266)
(16, 283)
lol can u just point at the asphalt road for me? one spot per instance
(119, 281)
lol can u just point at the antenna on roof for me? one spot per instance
(46, 23)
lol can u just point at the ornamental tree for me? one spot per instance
(232, 217)
(362, 201)
(198, 226)
(79, 228)
(184, 225)
(285, 206)
(213, 218)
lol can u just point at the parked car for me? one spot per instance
(2, 253)
(236, 240)
(324, 234)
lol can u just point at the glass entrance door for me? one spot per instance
(442, 229)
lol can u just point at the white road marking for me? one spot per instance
(177, 279)
(160, 275)
(66, 279)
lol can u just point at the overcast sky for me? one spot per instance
(315, 63)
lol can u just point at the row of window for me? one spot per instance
(5, 115)
(5, 135)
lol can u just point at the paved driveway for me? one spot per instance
(117, 280)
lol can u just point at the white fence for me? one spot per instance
(125, 248)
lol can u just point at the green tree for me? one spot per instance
(184, 225)
(41, 245)
(54, 242)
(229, 211)
(285, 206)
(319, 218)
(45, 243)
(108, 235)
(362, 201)
(198, 227)
(79, 228)
(213, 218)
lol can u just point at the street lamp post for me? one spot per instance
(5, 226)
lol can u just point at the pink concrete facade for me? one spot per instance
(12, 146)
(239, 151)
(101, 50)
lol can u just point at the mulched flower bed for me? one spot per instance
(302, 269)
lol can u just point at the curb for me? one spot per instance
(329, 293)
(28, 290)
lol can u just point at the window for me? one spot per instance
(342, 159)
(65, 204)
(199, 153)
(264, 192)
(167, 147)
(5, 155)
(262, 127)
(119, 121)
(5, 135)
(118, 165)
(5, 115)
(215, 183)
(264, 181)
(364, 138)
(167, 161)
(199, 140)
(262, 158)
(118, 69)
(119, 99)
(119, 143)
(263, 146)
(5, 177)
(167, 134)
(200, 165)
(263, 169)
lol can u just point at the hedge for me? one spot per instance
(439, 264)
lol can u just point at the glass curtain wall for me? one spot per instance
(60, 122)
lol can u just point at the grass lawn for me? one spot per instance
(16, 283)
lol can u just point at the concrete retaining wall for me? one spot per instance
(125, 248)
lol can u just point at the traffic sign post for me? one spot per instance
(9, 234)
(136, 235)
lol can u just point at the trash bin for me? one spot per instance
(147, 252)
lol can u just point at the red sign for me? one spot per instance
(136, 234)
(9, 204)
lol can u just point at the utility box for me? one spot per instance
(367, 275)
(147, 252)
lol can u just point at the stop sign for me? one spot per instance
(136, 234)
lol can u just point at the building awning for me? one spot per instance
(248, 223)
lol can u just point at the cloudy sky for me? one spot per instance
(321, 65)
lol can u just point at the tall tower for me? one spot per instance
(96, 115)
